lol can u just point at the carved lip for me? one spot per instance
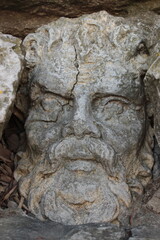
(81, 165)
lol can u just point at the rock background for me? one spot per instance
(10, 74)
(20, 17)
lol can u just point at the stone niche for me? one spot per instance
(93, 82)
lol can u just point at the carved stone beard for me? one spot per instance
(82, 182)
(78, 198)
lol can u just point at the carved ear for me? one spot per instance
(32, 50)
(152, 82)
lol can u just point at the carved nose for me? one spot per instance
(80, 128)
(82, 123)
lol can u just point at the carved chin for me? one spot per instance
(78, 196)
(96, 205)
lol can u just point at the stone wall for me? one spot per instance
(22, 17)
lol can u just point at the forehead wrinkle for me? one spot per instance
(107, 76)
(116, 86)
(60, 83)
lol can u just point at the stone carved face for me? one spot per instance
(87, 148)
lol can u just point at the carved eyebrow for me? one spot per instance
(65, 97)
(110, 97)
(117, 98)
(45, 90)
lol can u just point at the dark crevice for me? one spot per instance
(145, 126)
(45, 121)
(156, 155)
(13, 140)
(14, 133)
(128, 234)
(142, 49)
(156, 10)
(151, 121)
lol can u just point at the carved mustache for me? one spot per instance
(85, 149)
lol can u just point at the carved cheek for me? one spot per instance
(121, 125)
(41, 135)
(45, 120)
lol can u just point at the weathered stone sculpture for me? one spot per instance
(89, 140)
(10, 73)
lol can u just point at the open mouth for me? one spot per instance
(81, 165)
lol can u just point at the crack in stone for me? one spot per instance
(78, 72)
(41, 120)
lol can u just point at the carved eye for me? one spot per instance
(52, 108)
(46, 108)
(113, 107)
(109, 107)
(51, 104)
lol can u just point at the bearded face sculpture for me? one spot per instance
(89, 142)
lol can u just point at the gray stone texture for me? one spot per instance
(152, 82)
(18, 227)
(74, 182)
(15, 225)
(89, 139)
(154, 202)
(10, 74)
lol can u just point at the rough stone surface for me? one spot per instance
(28, 228)
(89, 139)
(145, 233)
(69, 7)
(145, 222)
(19, 17)
(156, 168)
(10, 73)
(146, 238)
(154, 202)
(16, 225)
(152, 80)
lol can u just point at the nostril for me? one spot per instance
(80, 128)
(67, 130)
